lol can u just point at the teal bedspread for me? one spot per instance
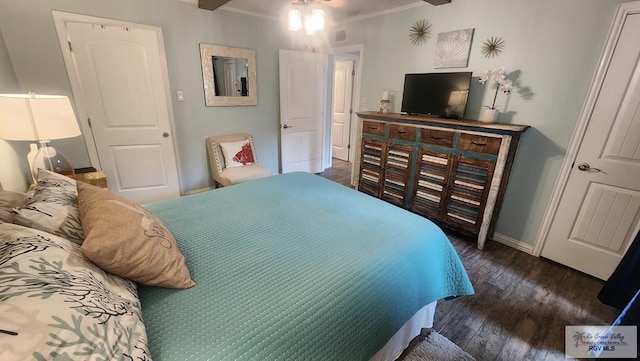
(295, 267)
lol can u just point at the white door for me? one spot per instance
(230, 78)
(124, 89)
(598, 214)
(342, 109)
(302, 104)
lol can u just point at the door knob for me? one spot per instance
(165, 134)
(585, 167)
(287, 126)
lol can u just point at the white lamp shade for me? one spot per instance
(458, 98)
(36, 117)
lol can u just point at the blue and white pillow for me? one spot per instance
(8, 201)
(56, 305)
(53, 207)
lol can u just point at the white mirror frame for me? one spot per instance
(207, 51)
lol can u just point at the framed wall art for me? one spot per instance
(229, 75)
(453, 48)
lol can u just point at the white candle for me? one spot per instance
(385, 95)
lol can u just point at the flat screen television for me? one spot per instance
(441, 95)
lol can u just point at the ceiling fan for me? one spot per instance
(438, 2)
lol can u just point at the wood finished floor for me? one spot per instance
(521, 305)
(340, 172)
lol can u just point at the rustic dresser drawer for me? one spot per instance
(404, 132)
(442, 138)
(479, 143)
(369, 127)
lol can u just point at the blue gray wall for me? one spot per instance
(12, 176)
(39, 66)
(551, 51)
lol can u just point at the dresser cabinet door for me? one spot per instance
(397, 173)
(372, 163)
(469, 187)
(431, 182)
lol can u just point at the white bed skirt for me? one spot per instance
(401, 339)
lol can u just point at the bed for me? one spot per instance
(296, 267)
(290, 267)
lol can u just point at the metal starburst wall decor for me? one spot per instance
(492, 47)
(420, 32)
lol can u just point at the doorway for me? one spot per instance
(342, 109)
(345, 95)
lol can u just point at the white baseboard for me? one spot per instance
(194, 191)
(513, 243)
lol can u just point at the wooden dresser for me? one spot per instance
(454, 172)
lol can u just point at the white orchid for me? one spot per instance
(484, 77)
(503, 84)
(506, 86)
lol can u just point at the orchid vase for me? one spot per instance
(489, 114)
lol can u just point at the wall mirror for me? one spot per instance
(229, 75)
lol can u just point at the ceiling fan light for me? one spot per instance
(314, 21)
(308, 25)
(318, 18)
(295, 20)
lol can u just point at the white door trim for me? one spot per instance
(357, 82)
(583, 121)
(59, 19)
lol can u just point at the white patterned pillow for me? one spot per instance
(8, 201)
(237, 154)
(54, 304)
(53, 207)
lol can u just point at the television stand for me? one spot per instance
(454, 172)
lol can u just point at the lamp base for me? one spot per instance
(51, 159)
(33, 150)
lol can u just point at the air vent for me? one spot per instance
(340, 36)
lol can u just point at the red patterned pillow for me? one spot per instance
(237, 154)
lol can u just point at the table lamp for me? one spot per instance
(41, 118)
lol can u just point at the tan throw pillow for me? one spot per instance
(129, 241)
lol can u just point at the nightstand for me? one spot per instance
(97, 179)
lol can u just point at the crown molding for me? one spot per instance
(245, 12)
(235, 10)
(384, 12)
